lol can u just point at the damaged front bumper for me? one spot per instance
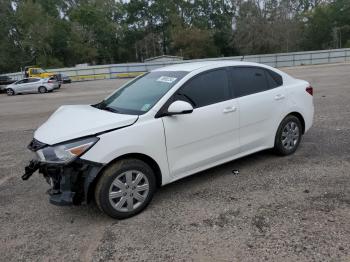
(70, 183)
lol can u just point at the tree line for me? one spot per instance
(59, 33)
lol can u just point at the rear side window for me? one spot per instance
(206, 89)
(248, 80)
(274, 79)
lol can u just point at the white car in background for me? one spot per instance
(165, 125)
(32, 85)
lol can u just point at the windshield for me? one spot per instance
(141, 94)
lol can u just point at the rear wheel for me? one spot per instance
(288, 136)
(125, 188)
(10, 92)
(42, 89)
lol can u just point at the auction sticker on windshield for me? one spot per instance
(166, 79)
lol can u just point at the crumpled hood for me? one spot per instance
(70, 122)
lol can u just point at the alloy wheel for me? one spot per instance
(10, 92)
(290, 135)
(128, 191)
(42, 90)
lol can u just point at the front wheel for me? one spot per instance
(10, 92)
(288, 136)
(125, 188)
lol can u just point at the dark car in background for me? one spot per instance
(66, 79)
(4, 81)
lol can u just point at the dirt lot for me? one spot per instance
(295, 208)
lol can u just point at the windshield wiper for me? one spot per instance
(102, 106)
(110, 109)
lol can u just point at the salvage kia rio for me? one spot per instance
(165, 125)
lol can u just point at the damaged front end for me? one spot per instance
(69, 176)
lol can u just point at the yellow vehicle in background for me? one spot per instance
(32, 71)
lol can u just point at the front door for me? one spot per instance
(23, 86)
(210, 134)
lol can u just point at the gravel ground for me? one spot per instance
(294, 208)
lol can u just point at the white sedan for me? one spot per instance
(165, 125)
(32, 85)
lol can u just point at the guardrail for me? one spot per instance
(133, 69)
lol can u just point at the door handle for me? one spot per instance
(230, 109)
(279, 97)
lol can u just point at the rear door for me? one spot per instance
(210, 133)
(33, 84)
(261, 100)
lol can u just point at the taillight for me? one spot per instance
(310, 90)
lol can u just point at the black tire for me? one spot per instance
(10, 92)
(110, 174)
(42, 89)
(283, 148)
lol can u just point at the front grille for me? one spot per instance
(35, 145)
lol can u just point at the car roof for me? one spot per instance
(192, 66)
(29, 78)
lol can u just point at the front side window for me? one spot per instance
(24, 81)
(37, 71)
(140, 95)
(206, 89)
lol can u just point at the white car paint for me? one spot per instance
(185, 144)
(177, 106)
(195, 139)
(79, 121)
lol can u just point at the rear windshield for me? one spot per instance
(141, 94)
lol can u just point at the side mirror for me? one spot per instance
(179, 107)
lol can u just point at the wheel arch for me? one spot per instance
(293, 113)
(300, 117)
(145, 158)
